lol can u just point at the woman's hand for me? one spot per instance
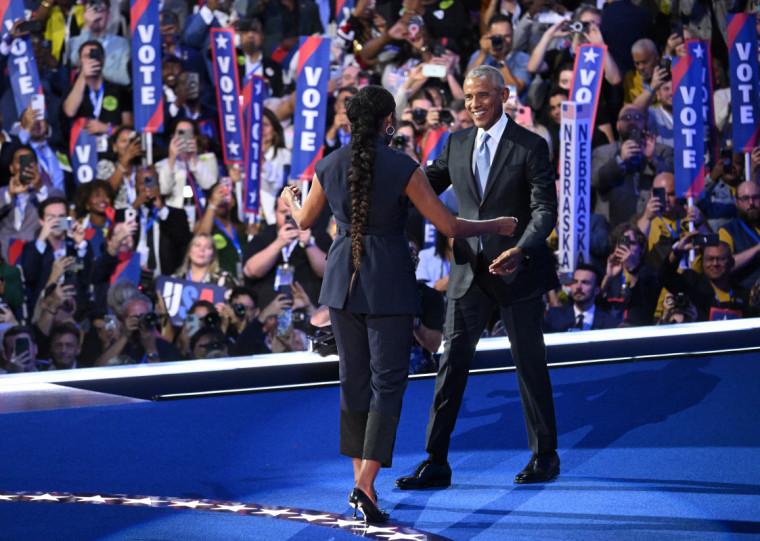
(289, 195)
(506, 225)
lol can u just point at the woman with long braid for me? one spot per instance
(369, 284)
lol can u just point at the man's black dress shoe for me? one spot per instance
(428, 474)
(359, 500)
(540, 469)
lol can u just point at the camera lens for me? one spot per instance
(239, 309)
(419, 115)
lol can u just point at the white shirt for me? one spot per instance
(588, 316)
(495, 133)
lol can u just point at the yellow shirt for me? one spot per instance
(633, 85)
(55, 30)
(726, 237)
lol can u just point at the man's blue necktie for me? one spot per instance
(483, 163)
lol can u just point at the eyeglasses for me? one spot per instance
(634, 116)
(715, 259)
(748, 198)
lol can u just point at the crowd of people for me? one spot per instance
(63, 245)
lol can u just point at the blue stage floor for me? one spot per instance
(659, 449)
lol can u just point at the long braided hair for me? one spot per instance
(365, 112)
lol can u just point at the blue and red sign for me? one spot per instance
(434, 144)
(311, 106)
(180, 295)
(699, 51)
(22, 67)
(228, 94)
(84, 157)
(688, 127)
(587, 76)
(253, 156)
(148, 95)
(743, 74)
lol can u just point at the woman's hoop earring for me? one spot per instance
(390, 130)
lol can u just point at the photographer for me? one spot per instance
(405, 139)
(105, 103)
(19, 199)
(282, 254)
(496, 50)
(60, 253)
(134, 339)
(209, 343)
(201, 315)
(120, 167)
(622, 172)
(19, 351)
(630, 286)
(711, 291)
(115, 48)
(667, 218)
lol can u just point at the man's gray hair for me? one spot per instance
(644, 45)
(489, 72)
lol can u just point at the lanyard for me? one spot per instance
(751, 233)
(153, 215)
(233, 238)
(288, 250)
(678, 226)
(97, 102)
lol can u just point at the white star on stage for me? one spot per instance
(46, 498)
(399, 535)
(192, 505)
(273, 512)
(698, 52)
(345, 523)
(221, 41)
(9, 498)
(140, 501)
(93, 499)
(590, 56)
(234, 148)
(230, 508)
(308, 517)
(375, 529)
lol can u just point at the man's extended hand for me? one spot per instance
(508, 262)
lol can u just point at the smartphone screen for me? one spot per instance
(22, 346)
(659, 193)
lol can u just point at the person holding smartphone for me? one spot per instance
(186, 159)
(59, 237)
(18, 213)
(19, 351)
(104, 102)
(116, 49)
(667, 218)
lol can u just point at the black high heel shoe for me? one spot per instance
(359, 500)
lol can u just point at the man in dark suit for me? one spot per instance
(164, 231)
(583, 315)
(497, 168)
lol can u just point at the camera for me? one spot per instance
(211, 320)
(680, 301)
(497, 42)
(576, 27)
(300, 320)
(445, 117)
(635, 135)
(239, 310)
(624, 240)
(419, 116)
(700, 241)
(399, 141)
(148, 320)
(665, 64)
